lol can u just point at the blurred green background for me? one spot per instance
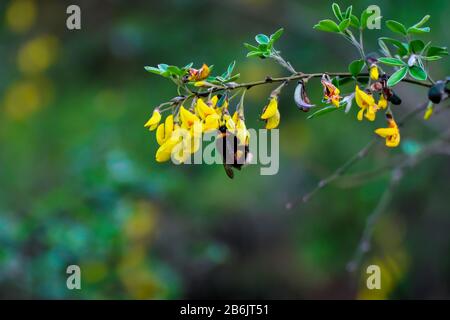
(79, 183)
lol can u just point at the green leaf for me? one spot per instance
(250, 47)
(402, 48)
(233, 78)
(322, 111)
(163, 67)
(396, 27)
(337, 11)
(364, 16)
(327, 26)
(397, 76)
(275, 36)
(254, 54)
(391, 61)
(416, 46)
(354, 21)
(422, 21)
(263, 47)
(344, 24)
(437, 51)
(188, 66)
(230, 69)
(417, 73)
(348, 12)
(414, 30)
(356, 67)
(262, 39)
(153, 70)
(173, 70)
(431, 58)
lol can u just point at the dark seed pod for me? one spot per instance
(301, 98)
(438, 92)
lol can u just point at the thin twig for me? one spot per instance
(296, 76)
(350, 162)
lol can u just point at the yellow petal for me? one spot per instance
(231, 126)
(274, 121)
(370, 114)
(187, 118)
(363, 99)
(374, 72)
(211, 122)
(162, 156)
(360, 114)
(235, 117)
(271, 109)
(168, 126)
(335, 101)
(203, 72)
(214, 101)
(384, 132)
(428, 113)
(382, 103)
(160, 134)
(393, 141)
(153, 122)
(203, 109)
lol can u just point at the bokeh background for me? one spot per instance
(79, 183)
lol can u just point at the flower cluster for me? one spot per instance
(373, 87)
(180, 135)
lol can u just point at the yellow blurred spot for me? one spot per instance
(20, 15)
(142, 222)
(137, 278)
(94, 271)
(22, 99)
(25, 97)
(37, 55)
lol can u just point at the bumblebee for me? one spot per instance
(234, 153)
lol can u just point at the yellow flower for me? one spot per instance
(273, 121)
(160, 134)
(187, 118)
(164, 130)
(367, 104)
(374, 74)
(228, 122)
(271, 109)
(428, 112)
(382, 103)
(200, 74)
(241, 129)
(164, 151)
(392, 133)
(153, 122)
(203, 109)
(211, 122)
(331, 93)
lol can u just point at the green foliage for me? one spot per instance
(397, 76)
(356, 67)
(265, 45)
